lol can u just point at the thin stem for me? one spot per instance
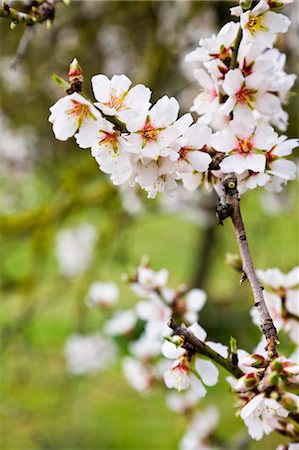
(234, 62)
(191, 342)
(232, 203)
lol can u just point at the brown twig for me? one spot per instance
(194, 344)
(45, 11)
(232, 206)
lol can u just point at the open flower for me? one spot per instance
(246, 94)
(102, 294)
(245, 146)
(260, 25)
(71, 113)
(153, 131)
(116, 99)
(186, 372)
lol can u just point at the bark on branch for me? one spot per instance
(230, 207)
(45, 11)
(191, 342)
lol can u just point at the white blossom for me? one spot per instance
(74, 248)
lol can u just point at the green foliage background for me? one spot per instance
(43, 407)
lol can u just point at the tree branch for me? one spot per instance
(191, 342)
(45, 11)
(232, 205)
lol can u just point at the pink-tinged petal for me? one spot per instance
(196, 299)
(276, 22)
(268, 103)
(292, 278)
(224, 141)
(169, 350)
(264, 138)
(198, 331)
(207, 371)
(253, 407)
(120, 84)
(164, 112)
(204, 79)
(233, 81)
(256, 163)
(199, 161)
(284, 169)
(292, 301)
(101, 86)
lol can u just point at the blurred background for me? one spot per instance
(50, 189)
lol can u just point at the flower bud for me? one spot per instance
(276, 365)
(273, 378)
(290, 369)
(247, 382)
(255, 360)
(75, 73)
(290, 402)
(246, 4)
(233, 261)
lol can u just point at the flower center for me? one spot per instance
(109, 140)
(115, 102)
(149, 132)
(184, 152)
(244, 146)
(80, 110)
(255, 24)
(246, 96)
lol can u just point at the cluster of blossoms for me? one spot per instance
(265, 390)
(282, 299)
(243, 87)
(264, 400)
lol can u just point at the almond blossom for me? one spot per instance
(72, 113)
(246, 94)
(282, 299)
(153, 131)
(74, 249)
(115, 98)
(245, 146)
(89, 354)
(260, 25)
(186, 372)
(102, 294)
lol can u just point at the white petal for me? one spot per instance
(207, 371)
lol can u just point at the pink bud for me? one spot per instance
(247, 382)
(255, 360)
(75, 72)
